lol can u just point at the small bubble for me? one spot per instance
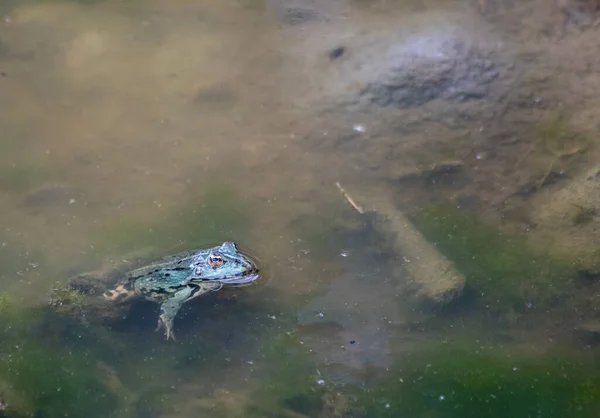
(320, 315)
(320, 382)
(441, 398)
(344, 254)
(387, 405)
(359, 128)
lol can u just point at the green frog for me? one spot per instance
(179, 278)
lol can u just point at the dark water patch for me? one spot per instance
(217, 97)
(51, 196)
(332, 235)
(291, 379)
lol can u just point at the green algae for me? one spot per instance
(503, 271)
(451, 381)
(47, 380)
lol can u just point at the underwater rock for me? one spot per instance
(578, 14)
(458, 74)
(566, 216)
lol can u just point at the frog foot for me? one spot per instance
(167, 324)
(118, 294)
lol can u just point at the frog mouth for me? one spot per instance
(248, 276)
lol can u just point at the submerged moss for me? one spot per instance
(47, 380)
(501, 269)
(5, 303)
(478, 382)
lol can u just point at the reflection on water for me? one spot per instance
(135, 130)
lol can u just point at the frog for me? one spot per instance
(177, 279)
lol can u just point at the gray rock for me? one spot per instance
(460, 76)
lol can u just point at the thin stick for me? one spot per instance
(349, 199)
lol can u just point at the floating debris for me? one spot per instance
(359, 128)
(349, 199)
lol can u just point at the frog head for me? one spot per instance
(224, 264)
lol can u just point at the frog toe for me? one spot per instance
(118, 294)
(167, 324)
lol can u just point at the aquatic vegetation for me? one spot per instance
(47, 380)
(5, 303)
(66, 300)
(503, 271)
(56, 384)
(462, 382)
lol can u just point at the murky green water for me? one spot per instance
(451, 272)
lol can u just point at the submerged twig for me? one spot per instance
(349, 199)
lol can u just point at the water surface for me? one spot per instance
(131, 130)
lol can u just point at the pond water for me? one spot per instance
(418, 180)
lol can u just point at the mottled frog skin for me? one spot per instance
(177, 279)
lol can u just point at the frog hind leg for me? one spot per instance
(120, 293)
(170, 307)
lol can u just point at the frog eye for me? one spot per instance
(215, 260)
